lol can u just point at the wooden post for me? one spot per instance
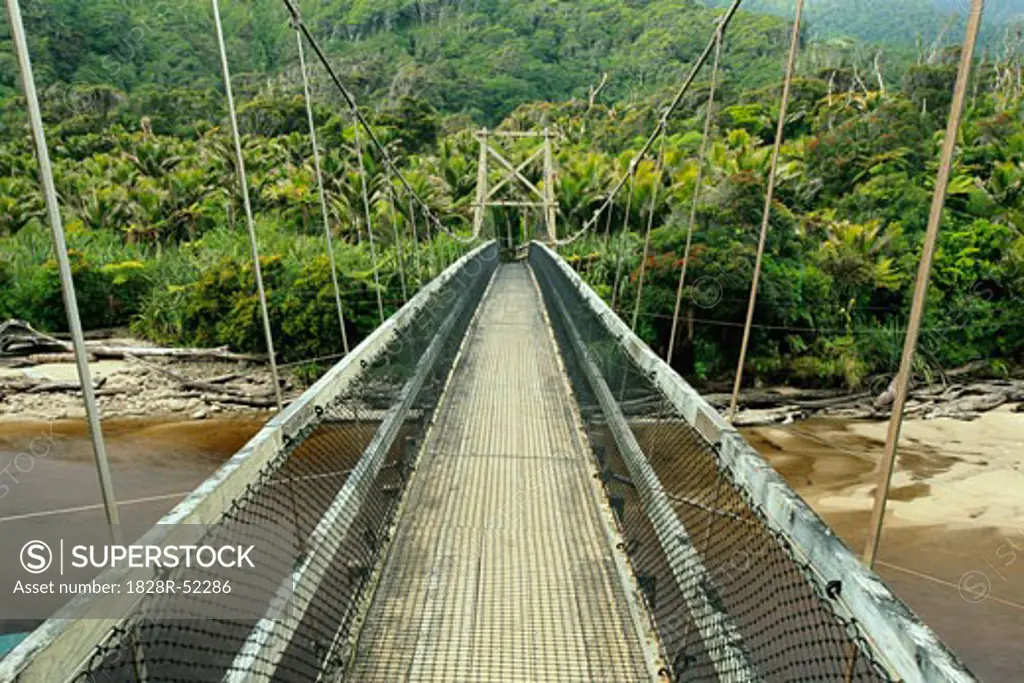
(921, 287)
(481, 185)
(794, 45)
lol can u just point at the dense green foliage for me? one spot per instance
(890, 21)
(482, 58)
(154, 217)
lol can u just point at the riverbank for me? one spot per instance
(953, 542)
(954, 529)
(962, 475)
(137, 388)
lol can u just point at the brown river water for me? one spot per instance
(950, 549)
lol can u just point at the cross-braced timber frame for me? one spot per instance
(543, 198)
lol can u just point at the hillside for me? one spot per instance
(144, 168)
(896, 22)
(483, 58)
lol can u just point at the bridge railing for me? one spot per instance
(315, 489)
(743, 580)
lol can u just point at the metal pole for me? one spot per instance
(769, 196)
(64, 267)
(921, 287)
(250, 222)
(323, 194)
(701, 160)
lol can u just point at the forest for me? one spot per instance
(144, 163)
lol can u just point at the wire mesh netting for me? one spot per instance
(729, 596)
(323, 506)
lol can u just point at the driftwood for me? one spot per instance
(958, 401)
(48, 387)
(224, 379)
(252, 402)
(772, 398)
(783, 415)
(202, 385)
(17, 337)
(60, 357)
(111, 392)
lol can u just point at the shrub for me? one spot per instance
(107, 296)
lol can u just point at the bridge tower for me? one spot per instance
(486, 196)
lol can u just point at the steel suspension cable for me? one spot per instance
(604, 241)
(921, 286)
(673, 105)
(320, 189)
(659, 178)
(431, 255)
(250, 221)
(701, 160)
(369, 222)
(293, 10)
(67, 283)
(768, 200)
(625, 232)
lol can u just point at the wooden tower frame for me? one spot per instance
(540, 198)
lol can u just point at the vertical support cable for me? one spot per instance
(769, 197)
(921, 287)
(64, 267)
(550, 203)
(481, 184)
(415, 242)
(508, 234)
(701, 161)
(250, 222)
(323, 194)
(625, 231)
(607, 231)
(658, 179)
(369, 222)
(432, 253)
(400, 253)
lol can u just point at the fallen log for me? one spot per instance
(60, 357)
(758, 418)
(972, 405)
(771, 398)
(821, 404)
(224, 379)
(111, 392)
(17, 337)
(220, 353)
(200, 385)
(51, 387)
(243, 401)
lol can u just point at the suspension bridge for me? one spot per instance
(501, 483)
